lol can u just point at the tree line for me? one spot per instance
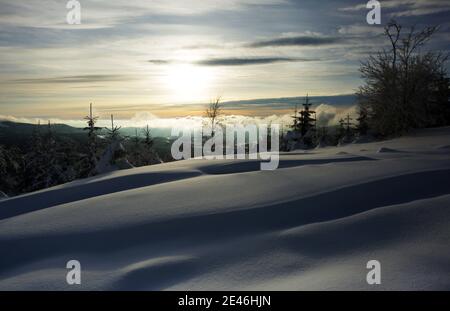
(50, 159)
(405, 87)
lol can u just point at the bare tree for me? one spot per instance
(405, 87)
(213, 113)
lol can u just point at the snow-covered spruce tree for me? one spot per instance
(114, 156)
(11, 162)
(34, 162)
(405, 85)
(304, 125)
(283, 140)
(141, 151)
(89, 162)
(346, 129)
(135, 154)
(322, 139)
(307, 121)
(150, 156)
(43, 163)
(295, 119)
(340, 133)
(148, 137)
(55, 167)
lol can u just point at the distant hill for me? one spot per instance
(19, 134)
(12, 133)
(26, 128)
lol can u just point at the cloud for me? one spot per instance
(306, 40)
(143, 118)
(109, 14)
(328, 115)
(159, 61)
(235, 61)
(407, 7)
(360, 30)
(73, 79)
(232, 61)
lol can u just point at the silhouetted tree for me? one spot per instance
(213, 113)
(341, 129)
(295, 118)
(148, 137)
(348, 125)
(304, 122)
(44, 163)
(136, 150)
(114, 132)
(91, 159)
(405, 87)
(11, 163)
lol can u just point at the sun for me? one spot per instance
(187, 82)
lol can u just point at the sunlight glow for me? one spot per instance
(187, 82)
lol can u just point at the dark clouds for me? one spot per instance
(238, 61)
(246, 61)
(297, 41)
(159, 61)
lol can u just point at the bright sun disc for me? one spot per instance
(188, 82)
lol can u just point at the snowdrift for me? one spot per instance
(313, 224)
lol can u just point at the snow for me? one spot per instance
(108, 163)
(313, 224)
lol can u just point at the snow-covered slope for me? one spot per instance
(207, 225)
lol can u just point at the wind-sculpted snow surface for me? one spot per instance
(313, 224)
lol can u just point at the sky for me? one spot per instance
(167, 58)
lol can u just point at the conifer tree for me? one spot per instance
(150, 156)
(304, 121)
(91, 159)
(148, 137)
(295, 118)
(43, 165)
(348, 124)
(113, 132)
(136, 150)
(307, 121)
(53, 171)
(34, 162)
(11, 163)
(322, 136)
(341, 129)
